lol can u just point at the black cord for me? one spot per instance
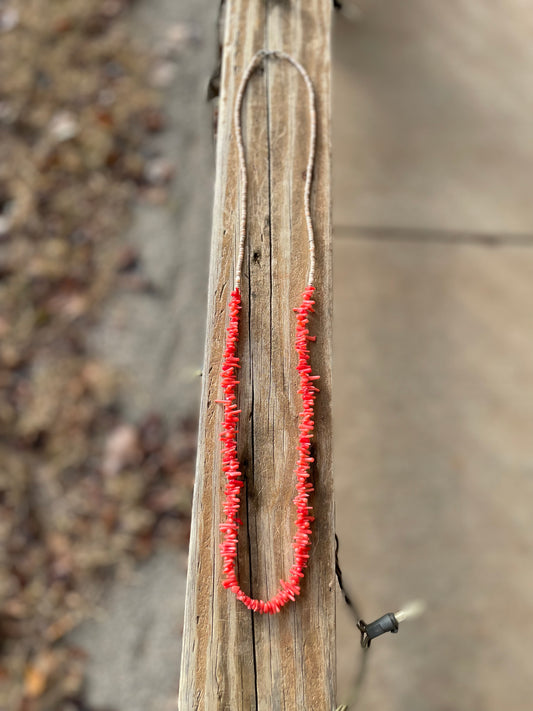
(347, 599)
(354, 609)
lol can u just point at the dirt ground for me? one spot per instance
(92, 482)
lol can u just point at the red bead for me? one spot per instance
(230, 463)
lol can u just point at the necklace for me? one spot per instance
(301, 544)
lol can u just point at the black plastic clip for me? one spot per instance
(386, 623)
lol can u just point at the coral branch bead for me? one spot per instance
(290, 588)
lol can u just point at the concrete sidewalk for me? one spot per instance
(433, 349)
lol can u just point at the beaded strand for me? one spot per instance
(301, 544)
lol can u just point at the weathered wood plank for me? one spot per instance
(232, 658)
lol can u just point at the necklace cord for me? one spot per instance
(256, 60)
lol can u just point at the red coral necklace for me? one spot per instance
(289, 588)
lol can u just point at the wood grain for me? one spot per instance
(232, 658)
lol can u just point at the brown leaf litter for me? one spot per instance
(83, 495)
